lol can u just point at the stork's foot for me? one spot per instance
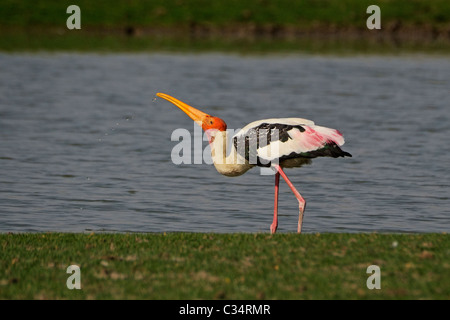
(301, 205)
(273, 228)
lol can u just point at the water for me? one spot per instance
(83, 147)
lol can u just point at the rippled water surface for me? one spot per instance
(83, 146)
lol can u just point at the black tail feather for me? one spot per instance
(331, 149)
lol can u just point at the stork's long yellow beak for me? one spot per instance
(196, 115)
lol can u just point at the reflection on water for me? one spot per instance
(83, 147)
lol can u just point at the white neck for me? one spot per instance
(232, 164)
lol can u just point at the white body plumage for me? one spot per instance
(289, 142)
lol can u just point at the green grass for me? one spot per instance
(222, 12)
(307, 26)
(224, 266)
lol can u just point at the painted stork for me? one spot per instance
(280, 143)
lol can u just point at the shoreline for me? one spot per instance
(255, 25)
(243, 39)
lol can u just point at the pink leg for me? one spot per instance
(301, 201)
(274, 225)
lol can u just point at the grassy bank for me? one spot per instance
(249, 26)
(224, 266)
(223, 13)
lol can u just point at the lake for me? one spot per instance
(85, 148)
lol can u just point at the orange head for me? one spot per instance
(207, 122)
